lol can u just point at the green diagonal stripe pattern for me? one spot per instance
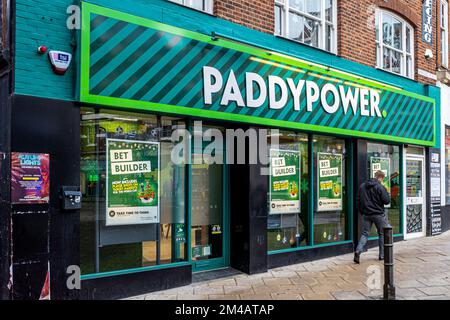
(162, 67)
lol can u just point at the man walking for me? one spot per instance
(371, 199)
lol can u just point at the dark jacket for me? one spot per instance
(372, 197)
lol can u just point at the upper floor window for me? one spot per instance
(202, 5)
(395, 44)
(444, 33)
(311, 22)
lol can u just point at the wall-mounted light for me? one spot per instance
(42, 49)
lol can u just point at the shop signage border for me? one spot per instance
(274, 59)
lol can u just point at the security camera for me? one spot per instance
(428, 54)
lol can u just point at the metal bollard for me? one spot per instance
(389, 288)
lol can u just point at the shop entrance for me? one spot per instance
(415, 213)
(209, 218)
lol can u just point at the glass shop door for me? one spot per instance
(415, 213)
(209, 219)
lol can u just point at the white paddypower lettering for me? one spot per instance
(330, 88)
(312, 94)
(232, 92)
(275, 93)
(275, 81)
(210, 74)
(251, 80)
(296, 91)
(349, 98)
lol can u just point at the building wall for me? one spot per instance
(258, 15)
(42, 22)
(445, 116)
(356, 19)
(356, 26)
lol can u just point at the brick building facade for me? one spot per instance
(356, 27)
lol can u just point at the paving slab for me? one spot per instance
(348, 295)
(422, 271)
(434, 291)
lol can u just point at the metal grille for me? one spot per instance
(414, 218)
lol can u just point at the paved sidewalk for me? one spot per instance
(422, 271)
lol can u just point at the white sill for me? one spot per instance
(394, 73)
(304, 44)
(191, 8)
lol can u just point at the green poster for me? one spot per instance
(384, 165)
(180, 235)
(284, 181)
(132, 181)
(329, 182)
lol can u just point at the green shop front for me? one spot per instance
(149, 223)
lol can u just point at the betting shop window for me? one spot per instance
(312, 22)
(447, 165)
(201, 5)
(444, 33)
(133, 212)
(330, 210)
(386, 158)
(395, 44)
(287, 225)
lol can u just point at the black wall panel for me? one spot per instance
(129, 285)
(5, 210)
(248, 217)
(360, 177)
(445, 218)
(284, 259)
(51, 126)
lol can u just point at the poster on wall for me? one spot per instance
(30, 178)
(285, 181)
(435, 192)
(329, 182)
(383, 165)
(132, 181)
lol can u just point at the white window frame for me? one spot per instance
(208, 5)
(285, 7)
(380, 45)
(444, 30)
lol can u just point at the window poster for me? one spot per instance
(132, 181)
(284, 181)
(383, 165)
(329, 182)
(30, 178)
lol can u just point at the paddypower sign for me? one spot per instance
(136, 63)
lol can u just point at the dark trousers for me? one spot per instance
(368, 220)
